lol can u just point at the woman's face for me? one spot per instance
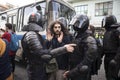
(57, 28)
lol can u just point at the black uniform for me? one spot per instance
(35, 52)
(111, 47)
(85, 52)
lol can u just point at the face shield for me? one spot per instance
(72, 22)
(78, 22)
(81, 22)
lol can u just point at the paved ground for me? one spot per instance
(21, 74)
(101, 74)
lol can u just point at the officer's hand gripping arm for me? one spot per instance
(61, 50)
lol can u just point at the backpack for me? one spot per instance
(14, 44)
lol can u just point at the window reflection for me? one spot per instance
(104, 8)
(57, 10)
(81, 9)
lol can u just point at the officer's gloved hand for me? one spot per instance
(70, 47)
(113, 70)
(46, 57)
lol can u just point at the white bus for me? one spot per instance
(51, 10)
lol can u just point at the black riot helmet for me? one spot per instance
(108, 21)
(80, 23)
(34, 23)
(63, 21)
(35, 18)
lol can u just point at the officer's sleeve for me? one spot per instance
(91, 52)
(36, 47)
(52, 53)
(34, 44)
(90, 56)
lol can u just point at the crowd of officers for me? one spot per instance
(63, 56)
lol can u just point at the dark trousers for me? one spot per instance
(12, 61)
(82, 75)
(36, 72)
(108, 73)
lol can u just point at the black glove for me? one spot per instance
(46, 56)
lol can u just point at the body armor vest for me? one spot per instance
(110, 42)
(33, 42)
(79, 51)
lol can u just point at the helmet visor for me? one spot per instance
(73, 21)
(82, 21)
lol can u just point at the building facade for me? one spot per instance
(96, 9)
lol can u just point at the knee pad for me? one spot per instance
(113, 64)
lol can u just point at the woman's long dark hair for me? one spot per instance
(63, 28)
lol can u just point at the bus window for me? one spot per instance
(12, 20)
(14, 23)
(19, 19)
(3, 20)
(32, 9)
(27, 12)
(9, 20)
(57, 10)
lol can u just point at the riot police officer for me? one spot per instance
(34, 49)
(85, 52)
(111, 47)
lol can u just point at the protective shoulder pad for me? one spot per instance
(33, 40)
